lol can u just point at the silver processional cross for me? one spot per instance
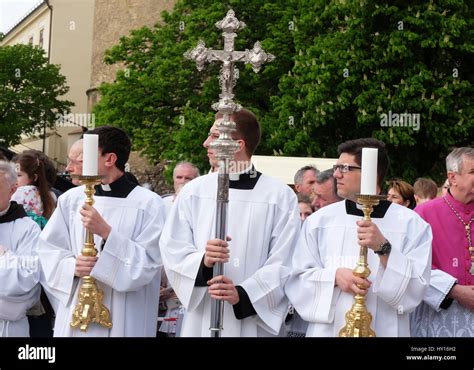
(225, 147)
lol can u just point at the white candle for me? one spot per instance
(368, 182)
(90, 155)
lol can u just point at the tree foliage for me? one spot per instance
(30, 92)
(163, 101)
(359, 59)
(339, 66)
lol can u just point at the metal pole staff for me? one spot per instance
(225, 147)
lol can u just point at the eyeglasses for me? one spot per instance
(343, 168)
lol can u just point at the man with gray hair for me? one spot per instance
(183, 173)
(304, 179)
(19, 265)
(322, 285)
(324, 190)
(447, 309)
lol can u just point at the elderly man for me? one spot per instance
(74, 161)
(447, 310)
(19, 265)
(304, 179)
(324, 190)
(183, 173)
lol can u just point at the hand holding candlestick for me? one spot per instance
(89, 307)
(358, 318)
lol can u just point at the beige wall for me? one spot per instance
(81, 31)
(71, 47)
(31, 27)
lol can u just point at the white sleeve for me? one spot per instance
(265, 287)
(55, 252)
(311, 287)
(181, 258)
(127, 265)
(440, 285)
(403, 282)
(20, 271)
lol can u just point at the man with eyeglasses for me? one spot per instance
(126, 220)
(322, 284)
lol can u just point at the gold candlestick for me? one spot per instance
(358, 318)
(90, 308)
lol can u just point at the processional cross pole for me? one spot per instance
(225, 147)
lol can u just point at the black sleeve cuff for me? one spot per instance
(447, 301)
(102, 244)
(244, 308)
(204, 274)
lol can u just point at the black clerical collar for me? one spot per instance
(246, 181)
(378, 212)
(15, 211)
(120, 188)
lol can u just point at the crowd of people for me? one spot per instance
(288, 255)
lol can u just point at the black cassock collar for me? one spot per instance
(15, 211)
(378, 212)
(246, 181)
(120, 188)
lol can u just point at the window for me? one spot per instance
(41, 38)
(30, 40)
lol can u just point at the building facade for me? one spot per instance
(63, 28)
(75, 35)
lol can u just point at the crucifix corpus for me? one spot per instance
(225, 147)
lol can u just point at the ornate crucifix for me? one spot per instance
(225, 147)
(228, 74)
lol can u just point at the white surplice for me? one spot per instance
(19, 275)
(329, 240)
(127, 269)
(263, 223)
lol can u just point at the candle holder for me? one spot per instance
(358, 318)
(90, 307)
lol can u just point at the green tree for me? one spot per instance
(30, 91)
(163, 101)
(359, 59)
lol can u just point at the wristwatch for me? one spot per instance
(384, 249)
